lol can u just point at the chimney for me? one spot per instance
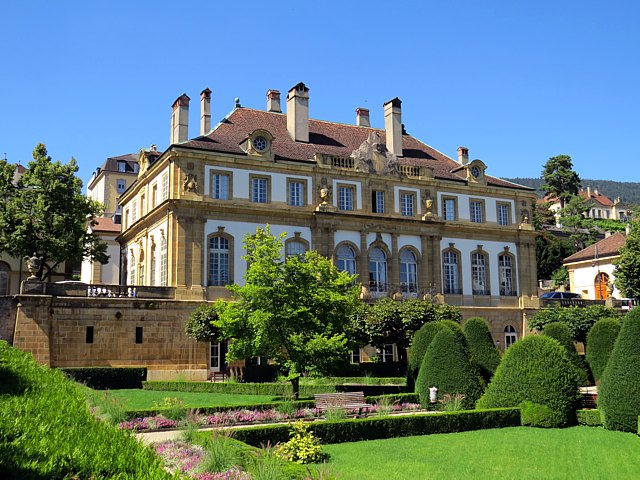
(595, 192)
(463, 155)
(588, 192)
(205, 111)
(298, 113)
(393, 126)
(180, 119)
(362, 117)
(273, 101)
(627, 229)
(607, 234)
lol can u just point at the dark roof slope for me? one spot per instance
(327, 138)
(111, 163)
(607, 247)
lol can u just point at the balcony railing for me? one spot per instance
(80, 289)
(481, 291)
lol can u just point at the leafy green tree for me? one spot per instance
(483, 349)
(551, 250)
(295, 311)
(560, 180)
(574, 222)
(618, 392)
(600, 342)
(560, 332)
(447, 365)
(200, 324)
(419, 344)
(579, 320)
(561, 277)
(535, 369)
(45, 213)
(627, 271)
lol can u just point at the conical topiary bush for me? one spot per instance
(600, 341)
(483, 350)
(562, 334)
(421, 341)
(619, 389)
(535, 369)
(447, 365)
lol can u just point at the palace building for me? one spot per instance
(406, 218)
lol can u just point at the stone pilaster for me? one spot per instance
(364, 259)
(394, 264)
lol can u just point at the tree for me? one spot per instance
(600, 342)
(627, 271)
(574, 222)
(45, 213)
(200, 324)
(618, 390)
(419, 344)
(560, 180)
(579, 320)
(561, 333)
(295, 311)
(483, 350)
(535, 369)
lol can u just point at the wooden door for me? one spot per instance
(601, 286)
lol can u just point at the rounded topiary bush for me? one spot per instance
(619, 390)
(447, 365)
(483, 350)
(421, 341)
(600, 341)
(535, 369)
(562, 334)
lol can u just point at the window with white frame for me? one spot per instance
(259, 190)
(345, 198)
(450, 272)
(163, 261)
(134, 211)
(503, 214)
(479, 274)
(449, 209)
(121, 186)
(386, 353)
(122, 167)
(165, 186)
(477, 211)
(132, 270)
(510, 336)
(505, 265)
(408, 272)
(407, 204)
(154, 195)
(377, 201)
(355, 355)
(220, 186)
(295, 248)
(296, 193)
(346, 259)
(218, 261)
(152, 265)
(377, 270)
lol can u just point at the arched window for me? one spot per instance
(5, 272)
(141, 268)
(132, 270)
(163, 261)
(408, 272)
(479, 274)
(507, 285)
(295, 247)
(218, 261)
(377, 270)
(510, 336)
(450, 272)
(600, 285)
(346, 259)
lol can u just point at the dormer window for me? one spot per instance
(122, 167)
(259, 143)
(475, 171)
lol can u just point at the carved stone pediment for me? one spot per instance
(373, 157)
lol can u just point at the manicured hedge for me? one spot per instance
(535, 369)
(482, 347)
(619, 390)
(108, 378)
(275, 389)
(561, 333)
(589, 418)
(421, 341)
(354, 430)
(46, 430)
(447, 365)
(372, 400)
(600, 341)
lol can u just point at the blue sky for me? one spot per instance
(516, 82)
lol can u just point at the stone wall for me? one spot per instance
(8, 307)
(55, 330)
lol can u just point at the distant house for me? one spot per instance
(591, 269)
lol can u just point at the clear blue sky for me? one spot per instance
(516, 82)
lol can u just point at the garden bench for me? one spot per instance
(343, 401)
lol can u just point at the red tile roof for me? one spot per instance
(598, 197)
(105, 224)
(326, 138)
(607, 247)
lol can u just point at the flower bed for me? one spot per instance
(185, 458)
(250, 417)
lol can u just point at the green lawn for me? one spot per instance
(141, 399)
(515, 453)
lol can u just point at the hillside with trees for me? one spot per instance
(628, 191)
